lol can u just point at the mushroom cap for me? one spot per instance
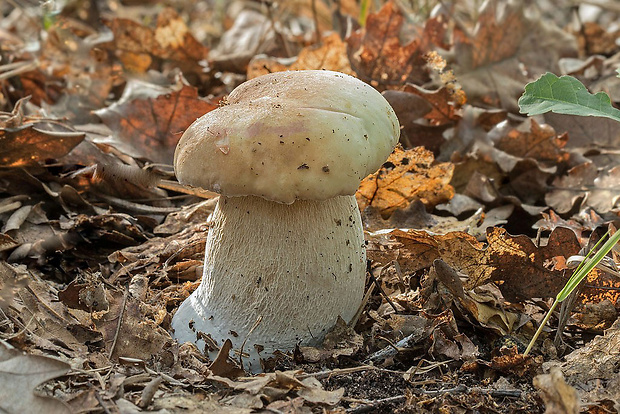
(286, 136)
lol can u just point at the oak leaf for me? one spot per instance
(378, 56)
(151, 119)
(406, 176)
(505, 51)
(20, 374)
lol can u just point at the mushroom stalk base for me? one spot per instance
(288, 271)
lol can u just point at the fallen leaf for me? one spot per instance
(532, 140)
(330, 54)
(138, 46)
(559, 397)
(521, 269)
(584, 182)
(31, 145)
(378, 56)
(505, 51)
(151, 119)
(593, 368)
(407, 175)
(20, 374)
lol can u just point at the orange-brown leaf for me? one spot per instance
(406, 176)
(331, 54)
(29, 145)
(376, 52)
(153, 125)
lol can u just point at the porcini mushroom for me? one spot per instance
(285, 252)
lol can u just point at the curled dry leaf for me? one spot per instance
(406, 176)
(20, 374)
(559, 397)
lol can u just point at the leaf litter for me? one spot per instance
(471, 223)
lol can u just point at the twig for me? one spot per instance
(392, 349)
(371, 406)
(258, 321)
(374, 279)
(136, 207)
(25, 67)
(100, 401)
(149, 392)
(120, 321)
(344, 371)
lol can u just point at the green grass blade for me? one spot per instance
(565, 95)
(588, 264)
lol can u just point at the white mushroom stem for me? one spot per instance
(296, 266)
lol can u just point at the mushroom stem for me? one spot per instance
(298, 266)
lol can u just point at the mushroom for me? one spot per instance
(285, 253)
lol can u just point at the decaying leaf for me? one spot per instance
(596, 189)
(406, 176)
(593, 369)
(378, 56)
(138, 46)
(151, 119)
(342, 340)
(330, 54)
(559, 397)
(31, 145)
(505, 40)
(20, 374)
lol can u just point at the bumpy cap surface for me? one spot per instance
(286, 136)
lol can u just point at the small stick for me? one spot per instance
(372, 277)
(258, 321)
(149, 392)
(371, 406)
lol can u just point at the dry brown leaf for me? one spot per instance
(330, 54)
(222, 366)
(593, 369)
(532, 140)
(20, 374)
(522, 270)
(378, 56)
(512, 362)
(406, 176)
(138, 46)
(486, 309)
(596, 189)
(31, 145)
(128, 331)
(152, 120)
(559, 397)
(492, 59)
(445, 110)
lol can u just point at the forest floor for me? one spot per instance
(469, 224)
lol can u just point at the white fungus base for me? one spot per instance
(297, 266)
